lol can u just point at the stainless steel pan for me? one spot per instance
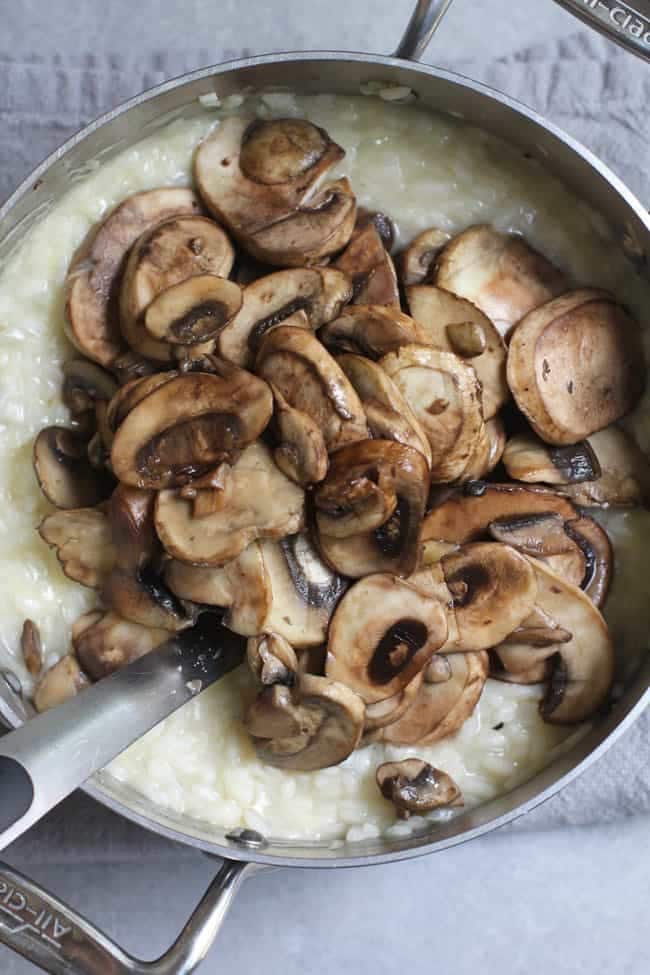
(33, 922)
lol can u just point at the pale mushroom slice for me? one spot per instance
(305, 297)
(535, 674)
(456, 325)
(296, 364)
(414, 787)
(524, 657)
(169, 253)
(64, 472)
(500, 273)
(575, 365)
(263, 503)
(383, 633)
(388, 414)
(493, 589)
(301, 452)
(31, 646)
(58, 684)
(527, 458)
(417, 261)
(131, 527)
(111, 642)
(583, 668)
(488, 451)
(386, 712)
(272, 659)
(315, 724)
(369, 508)
(371, 330)
(370, 267)
(83, 542)
(441, 708)
(194, 311)
(94, 272)
(188, 425)
(445, 395)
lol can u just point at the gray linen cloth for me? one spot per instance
(589, 87)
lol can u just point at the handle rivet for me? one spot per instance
(249, 838)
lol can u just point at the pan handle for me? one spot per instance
(60, 941)
(424, 22)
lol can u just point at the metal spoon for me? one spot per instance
(50, 756)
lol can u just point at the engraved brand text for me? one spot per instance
(19, 915)
(623, 17)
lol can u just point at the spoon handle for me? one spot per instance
(50, 756)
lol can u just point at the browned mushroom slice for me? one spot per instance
(131, 527)
(444, 394)
(188, 425)
(415, 787)
(535, 674)
(391, 709)
(132, 393)
(169, 253)
(389, 415)
(84, 385)
(295, 363)
(383, 633)
(142, 597)
(83, 542)
(575, 365)
(456, 325)
(383, 224)
(111, 642)
(31, 646)
(263, 503)
(500, 273)
(305, 297)
(313, 725)
(65, 474)
(371, 331)
(301, 453)
(493, 590)
(487, 452)
(370, 506)
(583, 668)
(441, 708)
(416, 262)
(193, 311)
(95, 269)
(272, 659)
(599, 557)
(366, 261)
(527, 458)
(624, 472)
(58, 684)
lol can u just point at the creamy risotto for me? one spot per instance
(423, 170)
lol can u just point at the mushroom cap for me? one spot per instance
(500, 273)
(301, 453)
(444, 394)
(189, 424)
(296, 364)
(494, 590)
(417, 261)
(575, 365)
(369, 265)
(371, 330)
(64, 472)
(301, 296)
(315, 724)
(384, 631)
(95, 269)
(59, 684)
(456, 325)
(414, 786)
(194, 311)
(111, 642)
(83, 542)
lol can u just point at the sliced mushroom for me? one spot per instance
(315, 724)
(65, 474)
(369, 508)
(390, 709)
(624, 472)
(58, 684)
(493, 589)
(167, 254)
(441, 708)
(188, 425)
(383, 224)
(111, 642)
(31, 646)
(263, 503)
(304, 297)
(193, 311)
(371, 330)
(535, 674)
(417, 261)
(272, 659)
(296, 364)
(383, 633)
(301, 453)
(312, 661)
(95, 270)
(444, 394)
(415, 787)
(456, 325)
(389, 415)
(488, 451)
(575, 365)
(500, 273)
(83, 542)
(142, 597)
(84, 385)
(129, 365)
(599, 557)
(366, 261)
(528, 459)
(583, 668)
(133, 392)
(131, 527)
